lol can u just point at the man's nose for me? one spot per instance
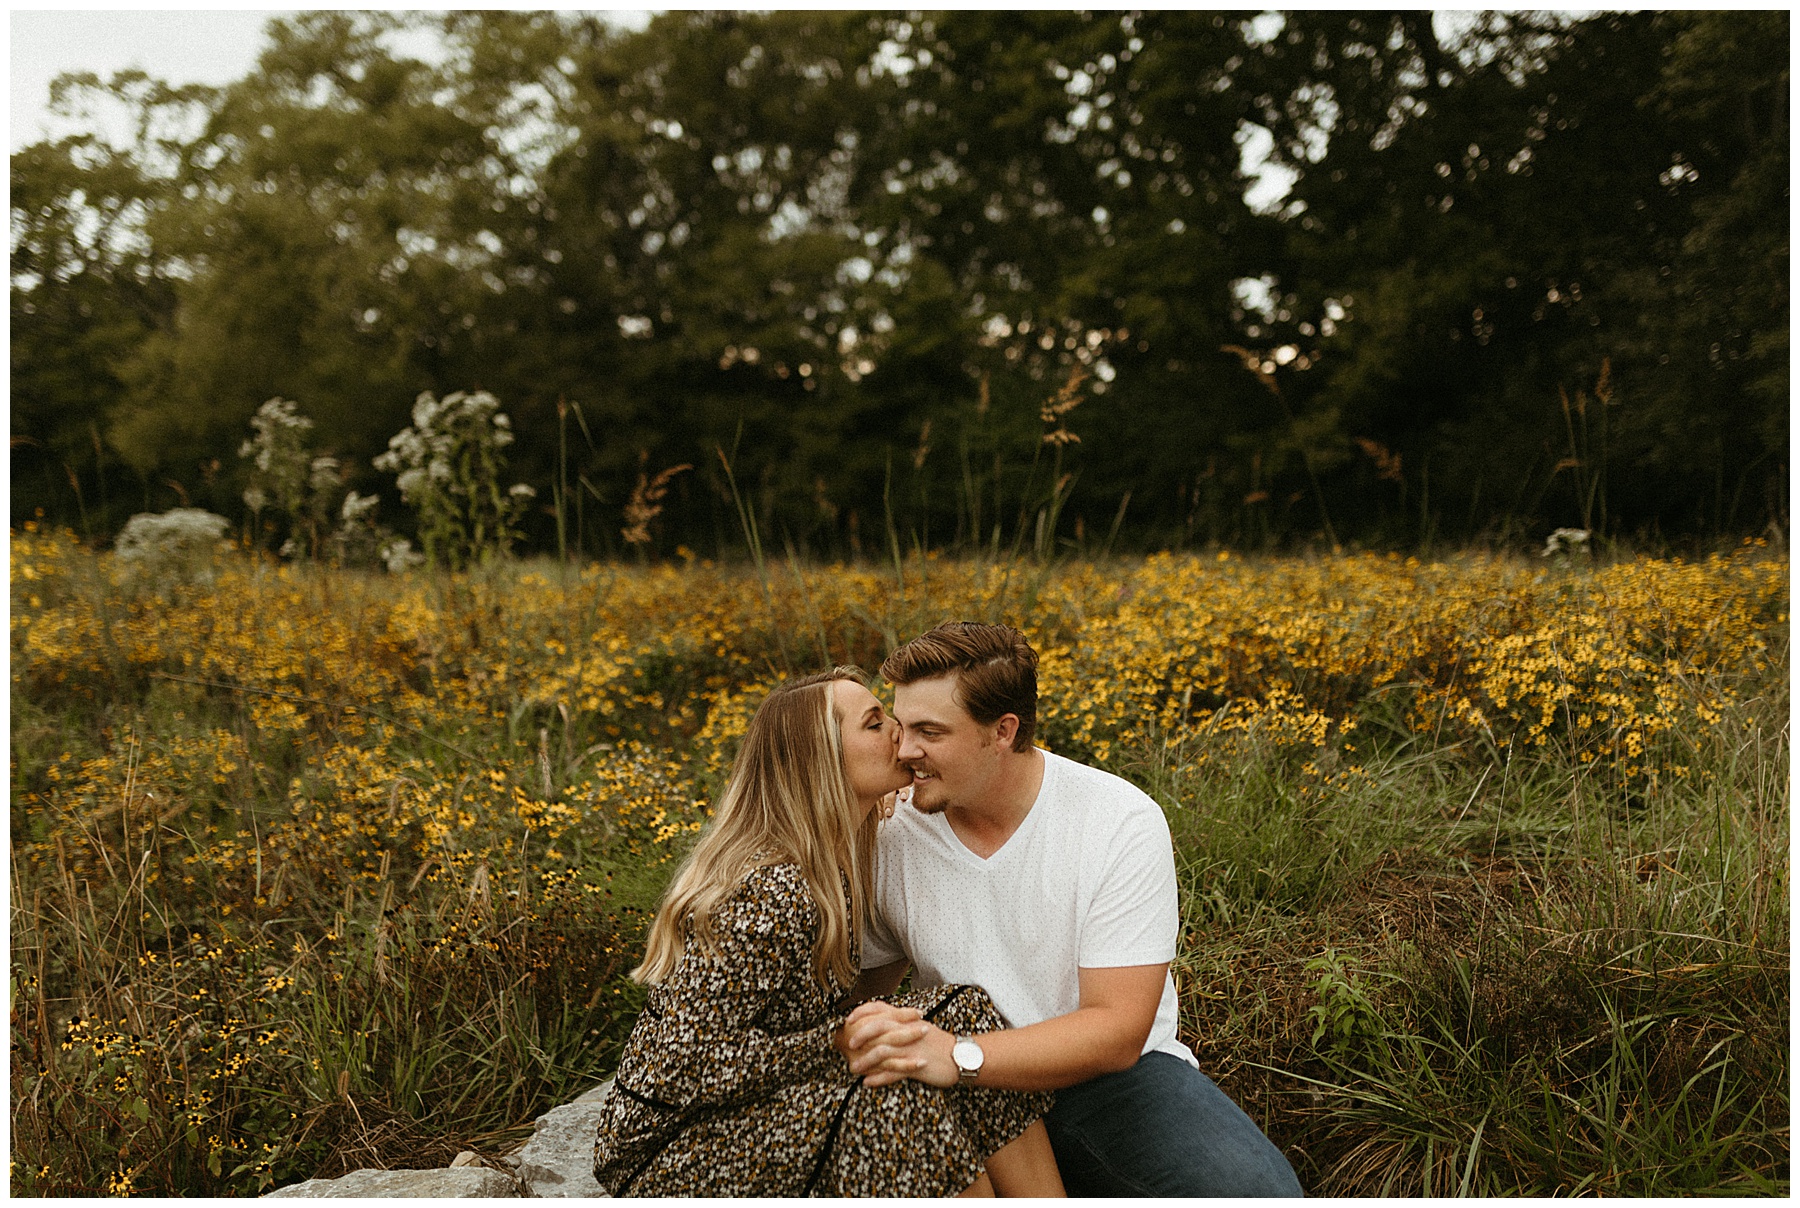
(909, 748)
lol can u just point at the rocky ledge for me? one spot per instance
(557, 1162)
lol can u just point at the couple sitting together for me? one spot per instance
(1032, 897)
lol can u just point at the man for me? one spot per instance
(1052, 886)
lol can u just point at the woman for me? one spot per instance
(731, 1082)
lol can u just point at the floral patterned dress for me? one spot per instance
(729, 1084)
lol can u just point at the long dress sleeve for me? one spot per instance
(721, 1027)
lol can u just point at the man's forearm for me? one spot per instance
(1104, 1034)
(1056, 1053)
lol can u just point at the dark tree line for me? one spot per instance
(1532, 274)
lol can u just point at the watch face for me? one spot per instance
(967, 1055)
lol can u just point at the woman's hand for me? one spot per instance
(885, 1043)
(884, 809)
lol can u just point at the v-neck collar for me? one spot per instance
(961, 849)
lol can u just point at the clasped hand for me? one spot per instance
(885, 1043)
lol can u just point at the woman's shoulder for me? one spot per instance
(776, 890)
(774, 876)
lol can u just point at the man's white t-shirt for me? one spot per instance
(1086, 882)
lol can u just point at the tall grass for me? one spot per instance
(313, 870)
(1458, 979)
(175, 1034)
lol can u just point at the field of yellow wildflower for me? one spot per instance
(1485, 860)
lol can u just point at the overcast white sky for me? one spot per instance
(188, 46)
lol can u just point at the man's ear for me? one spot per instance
(1006, 729)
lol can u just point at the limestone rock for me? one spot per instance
(464, 1183)
(558, 1161)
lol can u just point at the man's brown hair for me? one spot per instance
(995, 669)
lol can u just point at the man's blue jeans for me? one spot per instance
(1161, 1128)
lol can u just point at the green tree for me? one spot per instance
(1710, 329)
(1057, 191)
(1478, 229)
(701, 239)
(860, 253)
(87, 291)
(319, 179)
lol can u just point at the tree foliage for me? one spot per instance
(1531, 272)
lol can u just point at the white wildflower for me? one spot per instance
(398, 556)
(1566, 541)
(447, 468)
(357, 507)
(179, 545)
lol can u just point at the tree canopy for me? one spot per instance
(936, 274)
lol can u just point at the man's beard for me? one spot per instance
(937, 807)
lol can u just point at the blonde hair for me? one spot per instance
(788, 800)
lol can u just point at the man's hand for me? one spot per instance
(885, 1043)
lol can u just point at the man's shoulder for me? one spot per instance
(1096, 791)
(906, 829)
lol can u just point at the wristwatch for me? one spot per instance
(968, 1057)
